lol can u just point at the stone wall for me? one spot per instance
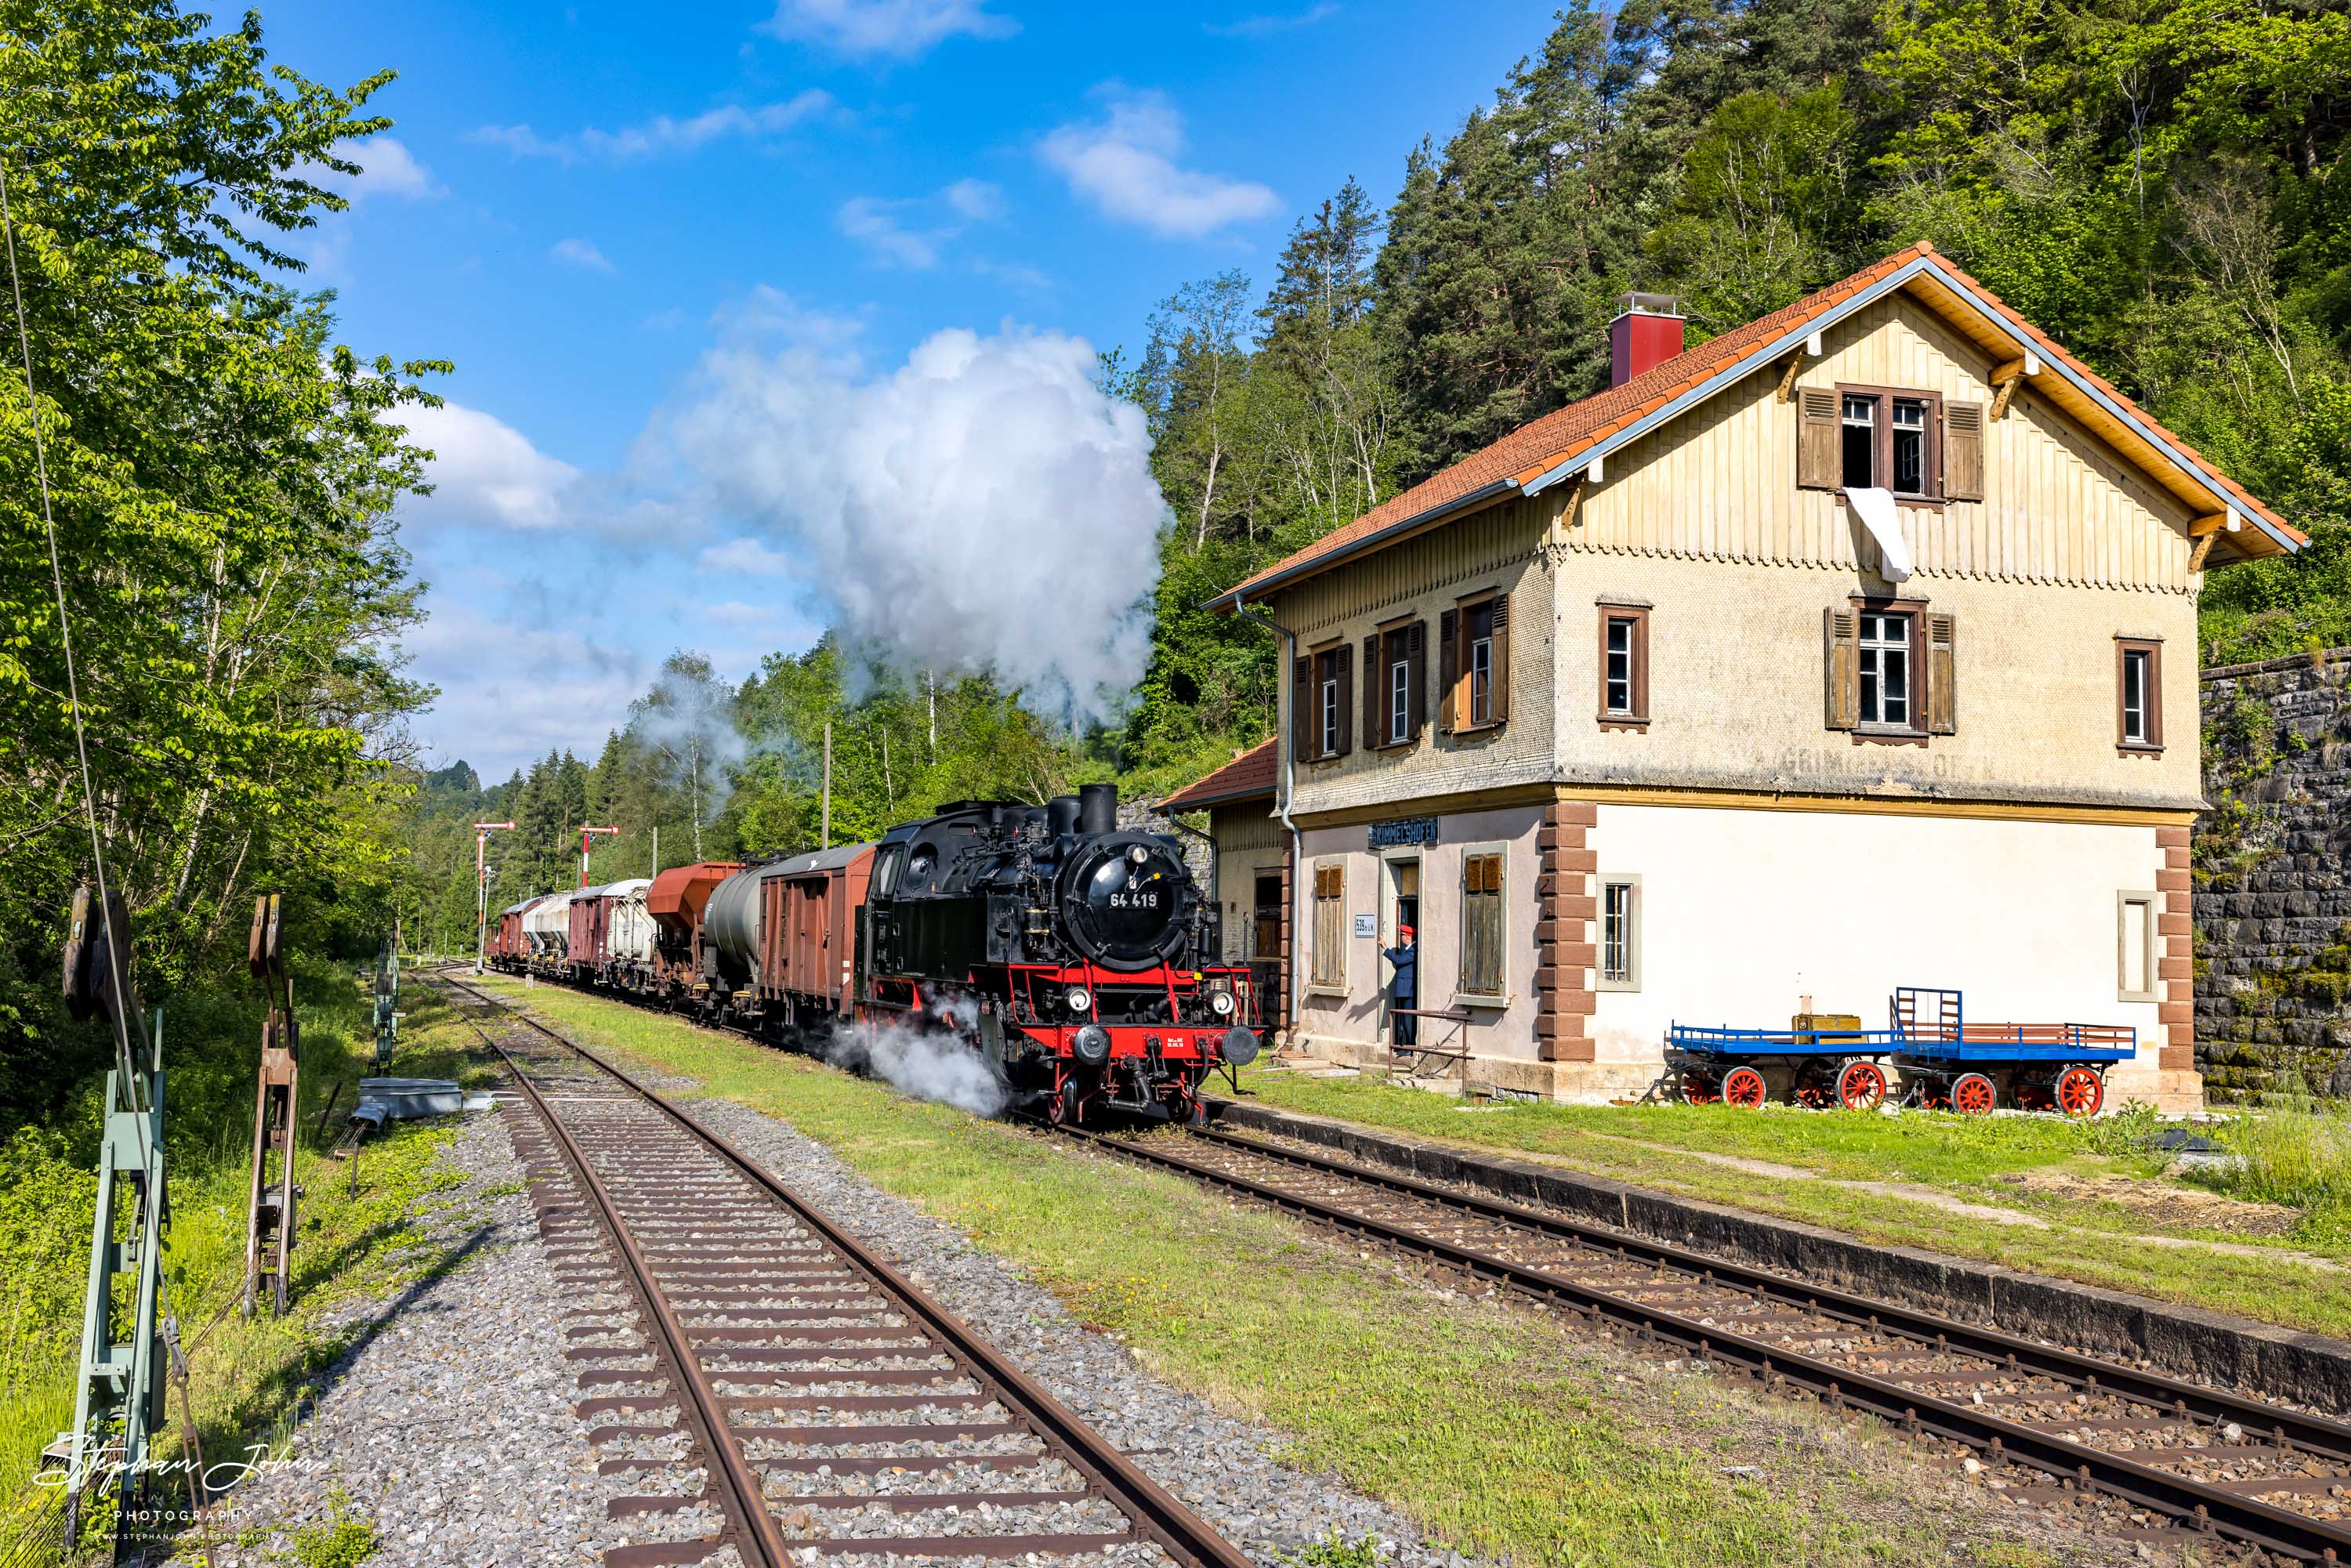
(2272, 891)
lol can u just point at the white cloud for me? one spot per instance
(582, 254)
(1260, 26)
(510, 692)
(881, 225)
(1126, 166)
(873, 223)
(743, 557)
(983, 506)
(387, 168)
(975, 199)
(905, 28)
(767, 312)
(485, 471)
(660, 135)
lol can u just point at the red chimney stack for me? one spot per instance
(1647, 331)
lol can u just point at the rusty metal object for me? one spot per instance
(269, 1221)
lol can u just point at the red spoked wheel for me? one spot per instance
(1061, 1105)
(1972, 1095)
(1861, 1086)
(2080, 1092)
(1698, 1088)
(1743, 1087)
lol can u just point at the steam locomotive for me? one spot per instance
(1070, 954)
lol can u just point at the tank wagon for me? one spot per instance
(1071, 955)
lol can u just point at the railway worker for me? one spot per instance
(1406, 988)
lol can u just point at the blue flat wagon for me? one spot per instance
(1820, 1066)
(1950, 1063)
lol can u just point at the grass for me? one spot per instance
(2301, 1162)
(1498, 1430)
(246, 1377)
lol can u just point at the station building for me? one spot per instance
(1854, 648)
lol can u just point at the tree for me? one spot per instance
(221, 474)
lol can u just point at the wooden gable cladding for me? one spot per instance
(1747, 477)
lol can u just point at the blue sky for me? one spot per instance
(680, 258)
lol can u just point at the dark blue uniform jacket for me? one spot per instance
(1407, 960)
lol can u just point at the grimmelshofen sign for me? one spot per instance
(1404, 830)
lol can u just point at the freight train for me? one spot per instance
(1070, 954)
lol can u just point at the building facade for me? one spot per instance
(1853, 649)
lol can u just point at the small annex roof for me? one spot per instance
(1567, 440)
(1248, 777)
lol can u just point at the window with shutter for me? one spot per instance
(1415, 649)
(1375, 684)
(1329, 926)
(1624, 667)
(1963, 452)
(1843, 664)
(1481, 686)
(1482, 923)
(1942, 677)
(1302, 717)
(1818, 439)
(1344, 656)
(1448, 670)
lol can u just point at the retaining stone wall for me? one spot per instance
(2273, 883)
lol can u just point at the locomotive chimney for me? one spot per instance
(1097, 808)
(1061, 815)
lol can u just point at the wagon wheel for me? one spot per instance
(1861, 1086)
(2080, 1092)
(1743, 1086)
(1972, 1095)
(1698, 1087)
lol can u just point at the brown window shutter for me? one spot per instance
(1501, 658)
(1416, 655)
(1844, 666)
(1375, 695)
(1343, 658)
(1943, 682)
(1302, 689)
(1818, 449)
(1449, 669)
(1963, 460)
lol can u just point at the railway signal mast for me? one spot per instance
(482, 832)
(586, 834)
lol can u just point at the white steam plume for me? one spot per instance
(987, 506)
(687, 723)
(929, 1064)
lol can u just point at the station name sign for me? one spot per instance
(1404, 830)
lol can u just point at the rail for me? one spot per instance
(2196, 1505)
(1155, 1513)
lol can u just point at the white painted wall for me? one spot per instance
(1744, 911)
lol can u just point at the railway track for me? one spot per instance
(2178, 1455)
(833, 1411)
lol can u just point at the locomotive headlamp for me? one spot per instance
(1221, 1002)
(1078, 1000)
(1138, 854)
(1091, 1045)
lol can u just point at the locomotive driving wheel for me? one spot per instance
(1743, 1087)
(1861, 1086)
(1972, 1095)
(1061, 1105)
(2080, 1092)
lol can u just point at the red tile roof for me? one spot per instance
(1534, 449)
(1245, 776)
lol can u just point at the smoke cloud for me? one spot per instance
(928, 1064)
(688, 722)
(985, 508)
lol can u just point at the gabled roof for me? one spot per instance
(1566, 441)
(1248, 777)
